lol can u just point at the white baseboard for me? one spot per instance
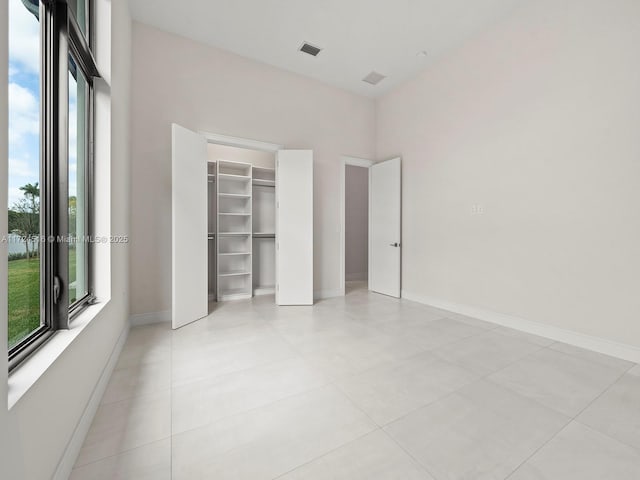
(147, 318)
(70, 455)
(356, 277)
(597, 344)
(320, 294)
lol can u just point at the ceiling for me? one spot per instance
(357, 36)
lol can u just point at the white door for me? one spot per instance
(294, 227)
(385, 227)
(189, 226)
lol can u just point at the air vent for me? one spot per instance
(310, 49)
(374, 78)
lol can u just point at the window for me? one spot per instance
(51, 74)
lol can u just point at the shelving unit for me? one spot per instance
(241, 230)
(211, 230)
(234, 246)
(264, 226)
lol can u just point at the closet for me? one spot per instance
(238, 229)
(244, 212)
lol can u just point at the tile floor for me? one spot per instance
(360, 387)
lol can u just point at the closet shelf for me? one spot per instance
(264, 235)
(233, 274)
(235, 214)
(264, 183)
(232, 254)
(230, 176)
(232, 234)
(233, 195)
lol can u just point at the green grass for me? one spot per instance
(24, 298)
(24, 295)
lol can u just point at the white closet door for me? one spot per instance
(189, 226)
(384, 227)
(294, 227)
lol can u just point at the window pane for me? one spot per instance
(79, 10)
(24, 171)
(78, 143)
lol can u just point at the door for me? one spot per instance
(189, 292)
(294, 227)
(385, 190)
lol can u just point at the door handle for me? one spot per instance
(396, 244)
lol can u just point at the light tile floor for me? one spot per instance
(360, 387)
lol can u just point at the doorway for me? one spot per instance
(355, 224)
(370, 202)
(356, 234)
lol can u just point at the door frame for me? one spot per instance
(355, 162)
(240, 142)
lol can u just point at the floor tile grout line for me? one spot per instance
(418, 462)
(123, 452)
(379, 427)
(252, 409)
(544, 444)
(329, 452)
(604, 434)
(457, 390)
(606, 388)
(572, 419)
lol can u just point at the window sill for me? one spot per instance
(29, 372)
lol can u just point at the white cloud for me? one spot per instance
(15, 195)
(24, 36)
(23, 114)
(22, 168)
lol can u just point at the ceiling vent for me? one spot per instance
(374, 78)
(310, 49)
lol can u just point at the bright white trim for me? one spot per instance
(230, 141)
(356, 162)
(70, 455)
(148, 318)
(33, 368)
(597, 344)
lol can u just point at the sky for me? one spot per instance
(24, 103)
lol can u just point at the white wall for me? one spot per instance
(537, 121)
(356, 239)
(204, 88)
(254, 157)
(43, 420)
